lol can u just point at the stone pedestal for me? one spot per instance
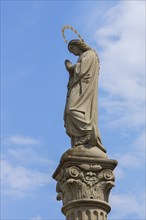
(84, 180)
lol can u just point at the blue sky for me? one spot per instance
(33, 91)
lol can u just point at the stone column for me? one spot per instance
(84, 180)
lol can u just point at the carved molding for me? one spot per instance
(84, 181)
(86, 209)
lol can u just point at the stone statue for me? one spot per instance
(80, 116)
(85, 174)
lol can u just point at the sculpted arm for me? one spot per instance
(83, 67)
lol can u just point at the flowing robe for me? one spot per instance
(80, 114)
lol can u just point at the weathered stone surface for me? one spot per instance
(84, 182)
(85, 174)
(80, 115)
(84, 151)
(86, 210)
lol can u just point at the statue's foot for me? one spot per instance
(82, 140)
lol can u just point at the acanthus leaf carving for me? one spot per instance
(84, 181)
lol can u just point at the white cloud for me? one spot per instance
(138, 144)
(121, 113)
(27, 156)
(21, 140)
(119, 173)
(24, 168)
(128, 160)
(18, 180)
(133, 158)
(37, 218)
(124, 205)
(122, 38)
(120, 42)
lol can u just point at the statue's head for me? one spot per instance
(77, 47)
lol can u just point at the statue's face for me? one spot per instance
(75, 50)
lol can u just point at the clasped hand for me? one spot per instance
(68, 64)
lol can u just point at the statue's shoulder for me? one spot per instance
(89, 53)
(92, 52)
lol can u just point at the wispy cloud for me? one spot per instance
(37, 218)
(24, 168)
(138, 144)
(134, 156)
(130, 205)
(132, 159)
(27, 156)
(21, 140)
(122, 39)
(119, 173)
(121, 43)
(129, 160)
(17, 179)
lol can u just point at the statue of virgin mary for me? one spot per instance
(81, 115)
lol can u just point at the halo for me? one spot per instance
(72, 29)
